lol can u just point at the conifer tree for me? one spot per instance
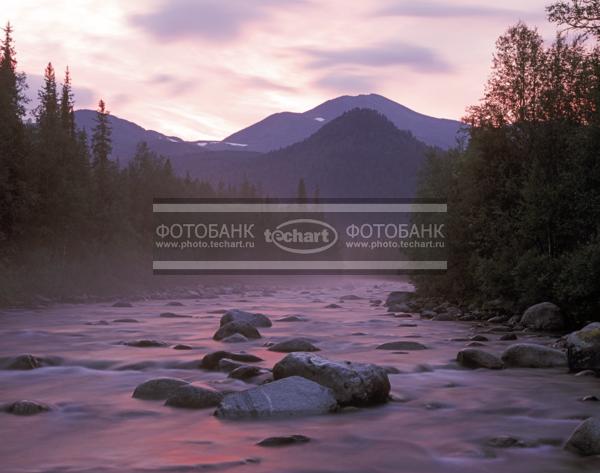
(12, 139)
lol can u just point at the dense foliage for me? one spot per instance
(71, 220)
(524, 193)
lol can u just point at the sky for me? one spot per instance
(203, 69)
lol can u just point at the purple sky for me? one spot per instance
(202, 69)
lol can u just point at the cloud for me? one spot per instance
(213, 20)
(432, 9)
(418, 58)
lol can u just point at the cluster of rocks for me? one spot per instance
(302, 383)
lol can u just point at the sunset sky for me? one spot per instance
(202, 69)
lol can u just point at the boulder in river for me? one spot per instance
(250, 318)
(583, 348)
(474, 358)
(145, 343)
(543, 316)
(211, 360)
(172, 315)
(122, 304)
(352, 383)
(529, 355)
(26, 408)
(193, 397)
(22, 362)
(585, 439)
(292, 396)
(245, 372)
(293, 345)
(283, 441)
(398, 297)
(235, 338)
(291, 318)
(402, 345)
(158, 388)
(243, 328)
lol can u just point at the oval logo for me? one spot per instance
(302, 236)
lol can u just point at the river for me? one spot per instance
(441, 419)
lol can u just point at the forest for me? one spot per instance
(72, 221)
(524, 189)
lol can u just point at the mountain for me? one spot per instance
(358, 154)
(126, 135)
(283, 129)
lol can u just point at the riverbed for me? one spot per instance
(442, 418)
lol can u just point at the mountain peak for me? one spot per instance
(283, 129)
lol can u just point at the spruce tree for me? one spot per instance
(13, 194)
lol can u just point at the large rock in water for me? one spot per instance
(474, 358)
(585, 439)
(293, 396)
(543, 316)
(528, 355)
(158, 388)
(398, 297)
(194, 397)
(231, 328)
(352, 383)
(26, 408)
(250, 318)
(293, 345)
(211, 360)
(583, 348)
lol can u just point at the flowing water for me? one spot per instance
(440, 420)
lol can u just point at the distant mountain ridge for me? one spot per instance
(359, 154)
(286, 128)
(276, 131)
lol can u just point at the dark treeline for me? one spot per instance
(524, 192)
(71, 220)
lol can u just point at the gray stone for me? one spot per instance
(293, 345)
(528, 355)
(171, 315)
(158, 388)
(352, 383)
(247, 330)
(585, 439)
(144, 343)
(479, 338)
(250, 318)
(283, 441)
(508, 336)
(126, 321)
(181, 346)
(235, 338)
(23, 362)
(402, 345)
(583, 348)
(194, 397)
(474, 358)
(291, 318)
(122, 304)
(543, 316)
(245, 372)
(211, 360)
(397, 297)
(26, 408)
(289, 397)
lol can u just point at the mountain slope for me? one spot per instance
(126, 135)
(359, 154)
(283, 129)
